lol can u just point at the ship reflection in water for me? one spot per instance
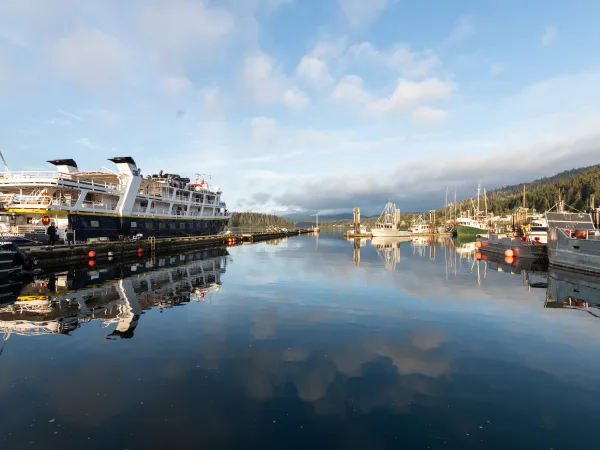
(369, 344)
(60, 303)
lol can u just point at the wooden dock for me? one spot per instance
(81, 253)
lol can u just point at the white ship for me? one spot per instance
(388, 222)
(111, 204)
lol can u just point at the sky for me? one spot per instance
(306, 105)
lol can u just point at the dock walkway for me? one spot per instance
(80, 253)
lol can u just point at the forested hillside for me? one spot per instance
(250, 219)
(575, 187)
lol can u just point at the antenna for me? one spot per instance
(6, 169)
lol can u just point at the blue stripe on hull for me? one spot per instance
(90, 226)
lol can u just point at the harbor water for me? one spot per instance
(306, 342)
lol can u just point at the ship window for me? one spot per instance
(161, 225)
(181, 225)
(94, 223)
(133, 224)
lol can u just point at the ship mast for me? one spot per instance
(455, 203)
(446, 209)
(6, 169)
(485, 201)
(478, 191)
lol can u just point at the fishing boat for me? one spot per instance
(112, 204)
(469, 227)
(388, 222)
(518, 247)
(573, 241)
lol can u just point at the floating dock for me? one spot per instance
(80, 253)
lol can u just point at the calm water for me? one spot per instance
(303, 343)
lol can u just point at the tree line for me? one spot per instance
(252, 219)
(575, 187)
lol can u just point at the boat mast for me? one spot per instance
(478, 191)
(524, 202)
(446, 209)
(485, 201)
(455, 203)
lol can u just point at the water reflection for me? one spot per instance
(420, 345)
(114, 296)
(564, 288)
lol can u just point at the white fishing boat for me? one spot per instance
(388, 223)
(420, 228)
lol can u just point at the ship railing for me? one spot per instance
(45, 202)
(48, 177)
(98, 206)
(22, 229)
(175, 214)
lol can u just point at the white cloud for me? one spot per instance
(264, 83)
(362, 12)
(427, 114)
(262, 79)
(102, 115)
(295, 99)
(69, 115)
(350, 90)
(463, 28)
(210, 97)
(497, 68)
(549, 36)
(409, 94)
(400, 58)
(178, 29)
(176, 84)
(85, 142)
(90, 57)
(315, 71)
(264, 130)
(330, 48)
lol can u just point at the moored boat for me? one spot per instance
(573, 241)
(111, 204)
(388, 223)
(518, 247)
(469, 227)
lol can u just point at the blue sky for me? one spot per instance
(305, 104)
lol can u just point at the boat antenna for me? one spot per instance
(6, 169)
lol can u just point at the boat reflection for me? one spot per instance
(573, 290)
(118, 295)
(388, 250)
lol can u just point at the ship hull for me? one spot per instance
(463, 230)
(87, 226)
(384, 232)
